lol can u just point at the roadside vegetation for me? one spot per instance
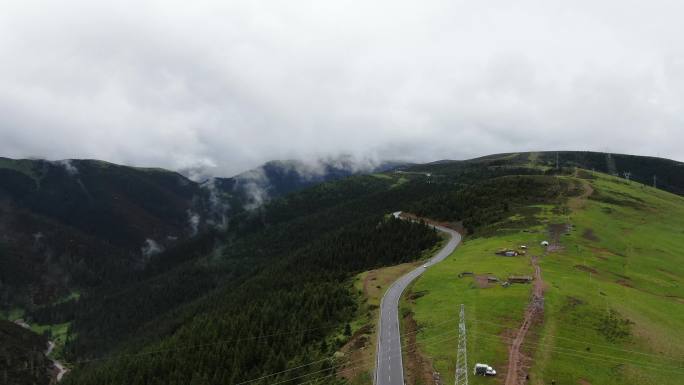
(358, 354)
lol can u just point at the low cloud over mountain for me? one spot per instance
(228, 86)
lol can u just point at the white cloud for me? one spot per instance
(150, 248)
(233, 84)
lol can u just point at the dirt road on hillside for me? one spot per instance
(517, 370)
(58, 371)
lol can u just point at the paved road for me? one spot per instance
(389, 368)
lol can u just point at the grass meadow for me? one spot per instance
(614, 295)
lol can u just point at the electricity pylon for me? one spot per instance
(462, 355)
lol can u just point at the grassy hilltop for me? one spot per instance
(613, 309)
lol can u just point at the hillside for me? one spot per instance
(272, 287)
(297, 280)
(73, 225)
(311, 245)
(70, 225)
(22, 358)
(667, 174)
(612, 289)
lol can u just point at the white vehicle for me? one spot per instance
(484, 370)
(425, 266)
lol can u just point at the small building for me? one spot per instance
(523, 247)
(491, 278)
(519, 279)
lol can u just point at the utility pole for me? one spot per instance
(557, 162)
(610, 165)
(655, 181)
(462, 355)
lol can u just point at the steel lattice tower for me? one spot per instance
(462, 356)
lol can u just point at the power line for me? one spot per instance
(392, 354)
(561, 351)
(188, 347)
(366, 361)
(584, 354)
(327, 358)
(659, 356)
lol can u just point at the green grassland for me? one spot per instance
(56, 333)
(614, 300)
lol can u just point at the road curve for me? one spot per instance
(389, 368)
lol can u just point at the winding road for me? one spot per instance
(59, 369)
(389, 369)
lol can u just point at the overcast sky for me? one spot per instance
(233, 83)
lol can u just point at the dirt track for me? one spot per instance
(517, 370)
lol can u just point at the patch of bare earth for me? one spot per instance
(589, 234)
(586, 269)
(676, 298)
(482, 281)
(519, 361)
(578, 202)
(627, 283)
(582, 381)
(358, 349)
(361, 346)
(418, 368)
(555, 232)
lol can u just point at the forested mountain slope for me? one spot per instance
(282, 269)
(22, 361)
(270, 288)
(67, 226)
(75, 224)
